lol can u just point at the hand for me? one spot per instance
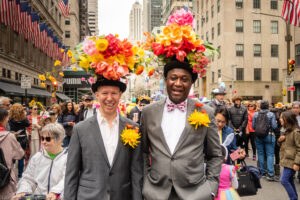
(242, 154)
(19, 195)
(71, 123)
(51, 196)
(281, 138)
(296, 167)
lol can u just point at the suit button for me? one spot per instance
(110, 173)
(172, 158)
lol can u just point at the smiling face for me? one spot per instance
(179, 82)
(108, 97)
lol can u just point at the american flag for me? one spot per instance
(291, 12)
(64, 7)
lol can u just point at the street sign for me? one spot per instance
(289, 80)
(25, 82)
(292, 88)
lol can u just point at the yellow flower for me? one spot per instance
(57, 63)
(61, 74)
(43, 85)
(70, 54)
(199, 119)
(84, 63)
(101, 44)
(135, 50)
(166, 30)
(141, 52)
(73, 60)
(62, 50)
(130, 136)
(75, 69)
(117, 35)
(42, 77)
(52, 79)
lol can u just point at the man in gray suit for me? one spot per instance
(178, 150)
(99, 165)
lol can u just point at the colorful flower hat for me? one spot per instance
(178, 46)
(108, 58)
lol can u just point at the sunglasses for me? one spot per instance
(48, 139)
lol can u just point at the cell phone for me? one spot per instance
(235, 155)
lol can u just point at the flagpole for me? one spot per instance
(288, 39)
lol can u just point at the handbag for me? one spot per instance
(4, 171)
(247, 185)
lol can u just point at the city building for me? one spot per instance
(169, 6)
(93, 16)
(83, 19)
(152, 15)
(250, 36)
(135, 23)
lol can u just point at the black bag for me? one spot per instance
(262, 125)
(23, 141)
(247, 185)
(4, 171)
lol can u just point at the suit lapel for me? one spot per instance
(95, 129)
(122, 125)
(187, 127)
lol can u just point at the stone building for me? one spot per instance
(135, 22)
(93, 16)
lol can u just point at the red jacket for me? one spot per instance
(250, 118)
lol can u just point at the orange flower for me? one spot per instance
(199, 105)
(203, 111)
(129, 126)
(151, 71)
(139, 70)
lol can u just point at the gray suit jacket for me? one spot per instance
(184, 170)
(89, 175)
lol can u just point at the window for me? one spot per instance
(219, 48)
(207, 36)
(274, 27)
(197, 24)
(3, 72)
(59, 19)
(239, 49)
(297, 52)
(16, 43)
(256, 26)
(274, 50)
(219, 28)
(212, 33)
(218, 6)
(67, 34)
(257, 50)
(239, 26)
(212, 77)
(16, 76)
(274, 4)
(219, 73)
(20, 76)
(8, 73)
(67, 21)
(257, 74)
(239, 3)
(212, 11)
(256, 4)
(274, 75)
(206, 16)
(239, 74)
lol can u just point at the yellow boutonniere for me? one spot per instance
(130, 136)
(199, 118)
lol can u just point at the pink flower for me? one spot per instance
(181, 17)
(91, 80)
(82, 79)
(180, 55)
(89, 46)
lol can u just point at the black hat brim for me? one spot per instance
(105, 82)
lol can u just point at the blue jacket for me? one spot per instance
(271, 117)
(225, 132)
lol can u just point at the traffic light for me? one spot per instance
(291, 65)
(54, 85)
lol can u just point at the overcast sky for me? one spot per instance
(113, 16)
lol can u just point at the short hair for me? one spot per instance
(222, 110)
(2, 99)
(54, 129)
(3, 114)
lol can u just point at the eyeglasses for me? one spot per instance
(48, 139)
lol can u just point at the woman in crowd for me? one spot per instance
(45, 173)
(68, 118)
(250, 135)
(57, 110)
(18, 123)
(289, 152)
(33, 130)
(11, 150)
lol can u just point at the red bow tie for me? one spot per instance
(171, 106)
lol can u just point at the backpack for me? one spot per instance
(262, 125)
(4, 171)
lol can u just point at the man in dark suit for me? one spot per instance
(136, 112)
(99, 165)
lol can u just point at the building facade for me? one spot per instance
(83, 19)
(135, 23)
(250, 36)
(169, 6)
(152, 15)
(93, 16)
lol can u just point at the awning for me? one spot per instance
(63, 97)
(13, 89)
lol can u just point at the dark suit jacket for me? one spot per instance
(184, 169)
(89, 175)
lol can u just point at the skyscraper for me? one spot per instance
(152, 15)
(93, 16)
(135, 22)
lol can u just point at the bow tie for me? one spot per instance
(171, 106)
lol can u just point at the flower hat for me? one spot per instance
(178, 46)
(108, 58)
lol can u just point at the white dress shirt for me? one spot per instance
(109, 135)
(172, 125)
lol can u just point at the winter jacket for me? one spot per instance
(44, 175)
(215, 104)
(238, 117)
(290, 149)
(11, 150)
(271, 117)
(64, 119)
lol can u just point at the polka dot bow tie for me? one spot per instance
(171, 106)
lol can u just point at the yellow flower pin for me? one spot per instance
(198, 118)
(130, 136)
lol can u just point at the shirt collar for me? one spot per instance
(103, 120)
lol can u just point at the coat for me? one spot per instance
(290, 149)
(12, 150)
(64, 119)
(44, 175)
(238, 117)
(89, 175)
(20, 125)
(184, 169)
